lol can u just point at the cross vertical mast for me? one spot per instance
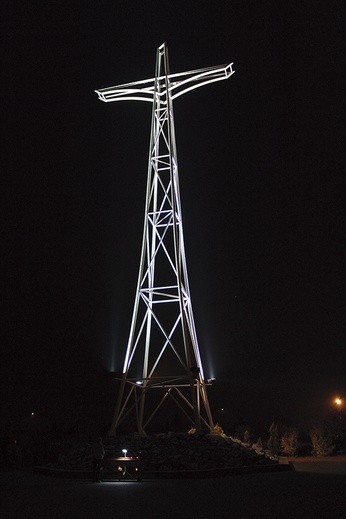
(162, 353)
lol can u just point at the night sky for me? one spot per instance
(260, 164)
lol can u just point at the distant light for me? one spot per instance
(139, 382)
(124, 451)
(222, 409)
(32, 414)
(338, 401)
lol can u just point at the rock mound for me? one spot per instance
(168, 452)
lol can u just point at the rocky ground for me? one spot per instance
(167, 452)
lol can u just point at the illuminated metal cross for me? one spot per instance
(162, 352)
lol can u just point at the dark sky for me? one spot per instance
(260, 159)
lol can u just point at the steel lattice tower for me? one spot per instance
(162, 353)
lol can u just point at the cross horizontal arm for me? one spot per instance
(179, 84)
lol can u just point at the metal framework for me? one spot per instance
(162, 351)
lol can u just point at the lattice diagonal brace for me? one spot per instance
(162, 351)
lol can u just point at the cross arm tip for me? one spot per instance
(100, 95)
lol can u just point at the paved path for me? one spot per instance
(271, 495)
(325, 465)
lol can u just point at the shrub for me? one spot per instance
(273, 441)
(322, 441)
(258, 446)
(218, 431)
(290, 442)
(247, 438)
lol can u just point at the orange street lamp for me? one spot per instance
(338, 402)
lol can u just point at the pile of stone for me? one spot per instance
(170, 452)
(73, 456)
(193, 452)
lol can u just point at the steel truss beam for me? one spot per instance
(162, 334)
